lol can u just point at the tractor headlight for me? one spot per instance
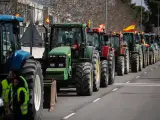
(52, 65)
(1, 102)
(57, 61)
(61, 65)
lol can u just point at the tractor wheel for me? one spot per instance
(84, 79)
(154, 58)
(134, 62)
(147, 58)
(140, 62)
(126, 63)
(158, 55)
(96, 72)
(151, 58)
(104, 73)
(32, 72)
(144, 60)
(120, 65)
(111, 66)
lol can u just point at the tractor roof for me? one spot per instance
(69, 25)
(10, 18)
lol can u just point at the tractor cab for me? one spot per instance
(150, 38)
(66, 38)
(132, 38)
(117, 40)
(9, 40)
(96, 38)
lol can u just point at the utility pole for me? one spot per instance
(106, 13)
(158, 18)
(141, 17)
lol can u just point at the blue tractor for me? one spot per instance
(11, 56)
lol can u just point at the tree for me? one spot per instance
(153, 7)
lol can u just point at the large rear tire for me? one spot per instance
(84, 79)
(147, 58)
(144, 59)
(104, 73)
(140, 62)
(134, 62)
(120, 65)
(96, 71)
(151, 58)
(126, 63)
(32, 72)
(111, 66)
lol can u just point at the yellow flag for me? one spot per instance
(129, 28)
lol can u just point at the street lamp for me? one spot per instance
(158, 19)
(141, 17)
(106, 12)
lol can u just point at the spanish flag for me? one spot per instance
(130, 28)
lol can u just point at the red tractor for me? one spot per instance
(107, 57)
(121, 52)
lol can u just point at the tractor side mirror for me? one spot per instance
(16, 28)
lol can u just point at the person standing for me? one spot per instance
(19, 97)
(5, 86)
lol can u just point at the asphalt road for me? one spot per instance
(135, 96)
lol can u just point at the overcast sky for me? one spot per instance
(138, 2)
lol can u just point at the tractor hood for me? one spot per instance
(62, 51)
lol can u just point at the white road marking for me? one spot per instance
(115, 89)
(151, 69)
(128, 82)
(138, 84)
(156, 66)
(145, 72)
(68, 116)
(96, 100)
(137, 76)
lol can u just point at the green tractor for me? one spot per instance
(153, 48)
(70, 60)
(135, 50)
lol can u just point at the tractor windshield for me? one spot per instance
(115, 41)
(8, 40)
(96, 40)
(129, 38)
(147, 39)
(66, 36)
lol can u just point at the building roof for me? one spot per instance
(10, 18)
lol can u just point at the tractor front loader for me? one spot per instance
(12, 57)
(135, 51)
(70, 60)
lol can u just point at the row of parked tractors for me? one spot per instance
(74, 56)
(112, 53)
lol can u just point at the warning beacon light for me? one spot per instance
(102, 26)
(47, 20)
(17, 15)
(89, 24)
